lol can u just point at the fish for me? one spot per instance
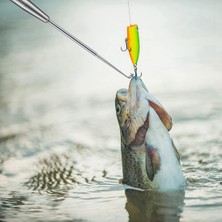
(150, 160)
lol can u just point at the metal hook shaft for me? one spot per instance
(135, 71)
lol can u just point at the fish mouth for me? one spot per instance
(136, 91)
(136, 84)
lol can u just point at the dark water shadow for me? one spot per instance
(54, 175)
(152, 206)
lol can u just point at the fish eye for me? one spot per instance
(118, 109)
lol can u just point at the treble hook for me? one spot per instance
(135, 71)
(126, 48)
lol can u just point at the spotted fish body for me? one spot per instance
(149, 158)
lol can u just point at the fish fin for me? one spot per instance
(141, 133)
(152, 161)
(176, 151)
(162, 113)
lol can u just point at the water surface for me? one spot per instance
(59, 139)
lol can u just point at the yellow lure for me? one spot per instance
(133, 43)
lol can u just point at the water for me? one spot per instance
(59, 138)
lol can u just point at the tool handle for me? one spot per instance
(32, 9)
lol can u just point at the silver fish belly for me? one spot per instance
(150, 159)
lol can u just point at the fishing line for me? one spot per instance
(129, 11)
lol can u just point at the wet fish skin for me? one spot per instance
(149, 156)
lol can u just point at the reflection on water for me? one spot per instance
(54, 175)
(154, 206)
(59, 138)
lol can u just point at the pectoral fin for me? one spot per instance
(163, 115)
(152, 161)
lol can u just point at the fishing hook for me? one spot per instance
(126, 46)
(135, 71)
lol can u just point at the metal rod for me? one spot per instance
(32, 9)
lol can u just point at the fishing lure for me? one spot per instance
(133, 43)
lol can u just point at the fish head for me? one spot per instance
(132, 109)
